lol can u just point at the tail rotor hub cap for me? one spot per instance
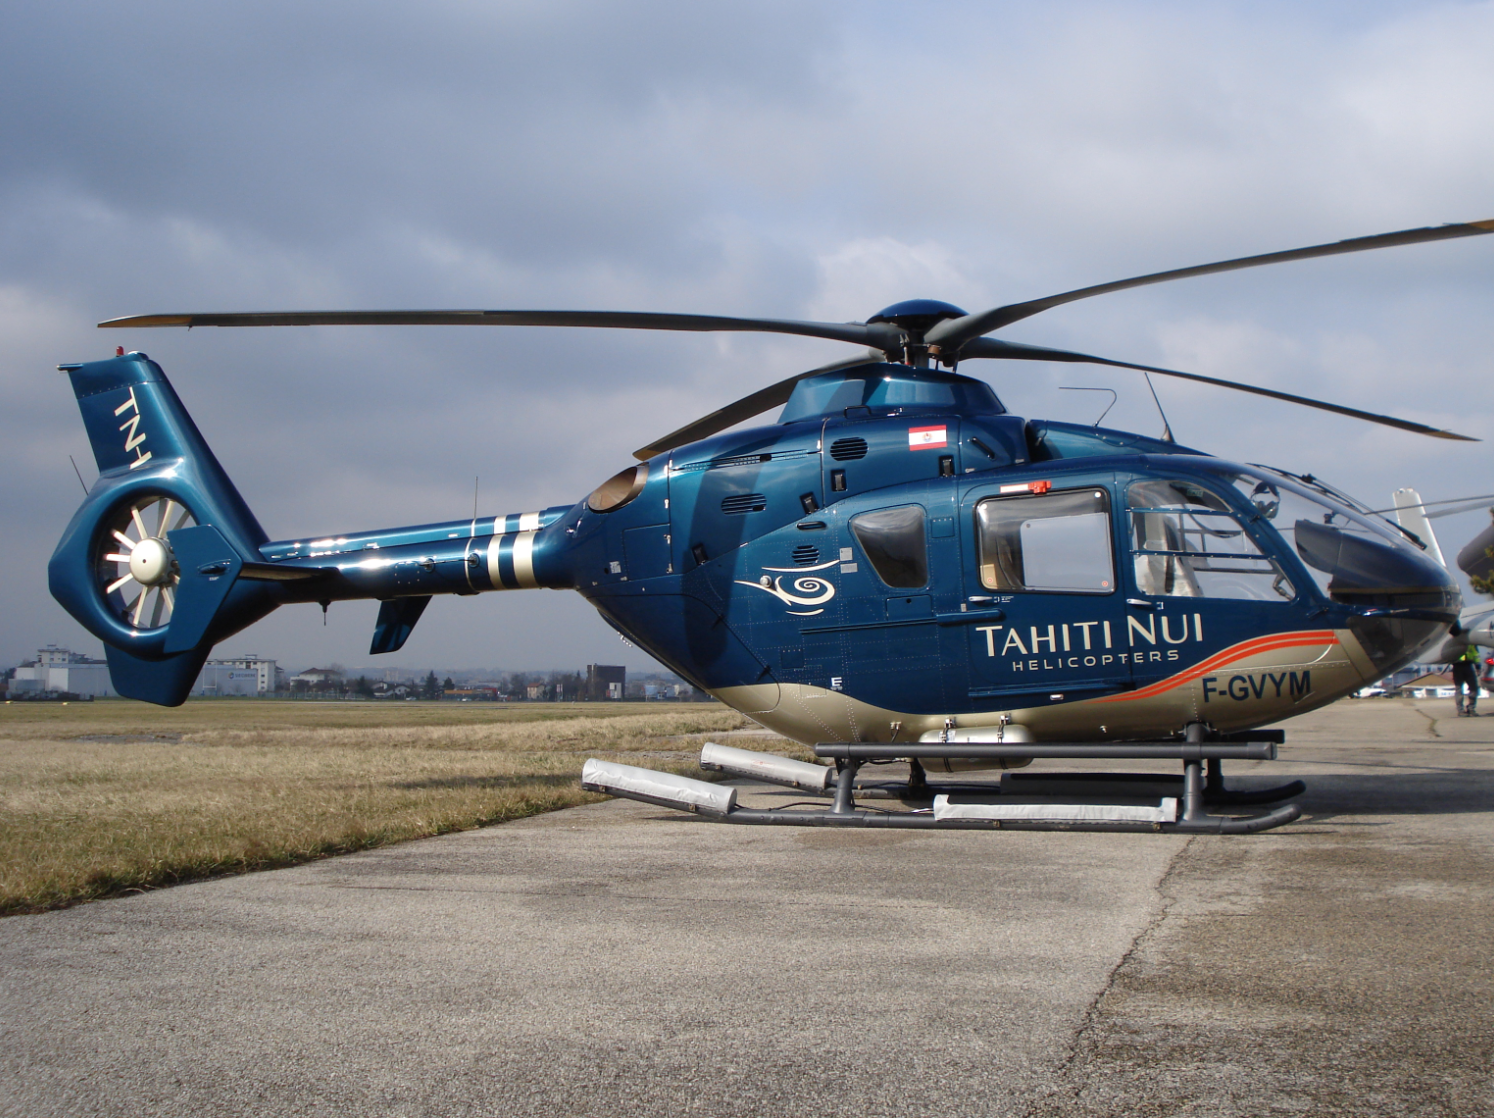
(150, 562)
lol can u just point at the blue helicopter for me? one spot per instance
(897, 570)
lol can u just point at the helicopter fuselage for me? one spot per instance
(908, 561)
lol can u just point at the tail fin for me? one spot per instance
(150, 562)
(1411, 515)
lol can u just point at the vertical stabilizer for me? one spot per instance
(150, 564)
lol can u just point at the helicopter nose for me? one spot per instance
(1403, 601)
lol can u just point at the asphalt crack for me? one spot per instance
(1431, 721)
(1093, 1011)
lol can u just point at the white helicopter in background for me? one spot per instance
(1475, 622)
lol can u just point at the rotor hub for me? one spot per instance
(917, 316)
(150, 562)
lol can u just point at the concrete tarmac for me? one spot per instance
(622, 959)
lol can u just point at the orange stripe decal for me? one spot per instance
(1234, 653)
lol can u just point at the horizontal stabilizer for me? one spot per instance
(397, 618)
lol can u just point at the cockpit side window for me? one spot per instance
(1053, 542)
(895, 544)
(1189, 544)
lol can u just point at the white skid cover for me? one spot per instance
(657, 787)
(765, 766)
(1166, 812)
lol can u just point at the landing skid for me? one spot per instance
(1098, 801)
(1082, 785)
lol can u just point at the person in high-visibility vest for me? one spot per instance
(1465, 674)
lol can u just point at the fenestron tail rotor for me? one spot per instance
(137, 571)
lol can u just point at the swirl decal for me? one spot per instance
(808, 589)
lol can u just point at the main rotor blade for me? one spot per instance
(1464, 504)
(775, 395)
(949, 334)
(990, 347)
(880, 335)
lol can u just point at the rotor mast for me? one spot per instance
(914, 318)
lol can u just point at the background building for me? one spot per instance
(59, 669)
(606, 681)
(313, 678)
(247, 675)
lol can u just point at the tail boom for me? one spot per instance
(164, 558)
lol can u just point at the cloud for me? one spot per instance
(805, 160)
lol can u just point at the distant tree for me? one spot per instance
(363, 687)
(432, 687)
(1484, 585)
(448, 685)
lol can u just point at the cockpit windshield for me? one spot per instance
(887, 390)
(1402, 600)
(1355, 559)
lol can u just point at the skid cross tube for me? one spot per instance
(1121, 751)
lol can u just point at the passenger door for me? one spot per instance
(1047, 615)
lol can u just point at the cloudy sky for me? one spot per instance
(806, 159)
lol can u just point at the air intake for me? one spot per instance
(806, 555)
(743, 502)
(848, 450)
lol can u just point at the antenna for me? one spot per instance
(474, 503)
(1166, 428)
(1103, 414)
(79, 472)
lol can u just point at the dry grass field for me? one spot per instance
(98, 799)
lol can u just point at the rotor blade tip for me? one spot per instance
(149, 320)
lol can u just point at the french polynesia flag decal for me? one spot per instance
(926, 438)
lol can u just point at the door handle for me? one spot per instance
(1141, 603)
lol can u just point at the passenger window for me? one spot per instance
(1059, 541)
(1189, 544)
(893, 540)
